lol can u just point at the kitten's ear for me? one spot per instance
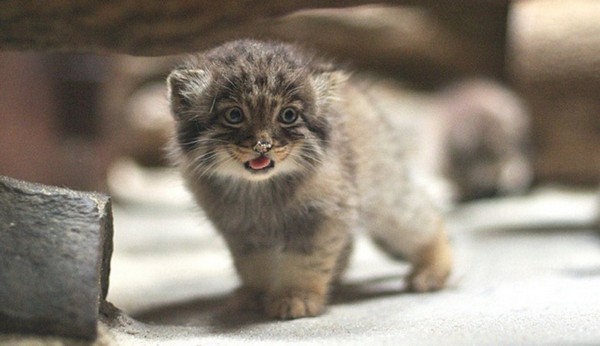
(327, 82)
(186, 87)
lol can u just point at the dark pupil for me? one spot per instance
(234, 116)
(288, 116)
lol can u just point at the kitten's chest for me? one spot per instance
(257, 210)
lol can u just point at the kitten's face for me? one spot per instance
(249, 115)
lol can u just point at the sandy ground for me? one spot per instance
(527, 272)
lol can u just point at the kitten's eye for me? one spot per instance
(288, 116)
(234, 116)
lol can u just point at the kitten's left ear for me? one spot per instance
(327, 82)
(185, 88)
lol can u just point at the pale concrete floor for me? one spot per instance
(527, 272)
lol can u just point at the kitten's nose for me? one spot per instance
(262, 146)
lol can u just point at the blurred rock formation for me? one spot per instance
(553, 54)
(547, 49)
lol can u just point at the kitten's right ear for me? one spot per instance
(186, 87)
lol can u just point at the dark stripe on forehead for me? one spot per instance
(261, 81)
(279, 80)
(243, 76)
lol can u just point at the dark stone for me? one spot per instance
(55, 249)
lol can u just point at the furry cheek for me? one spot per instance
(302, 157)
(227, 164)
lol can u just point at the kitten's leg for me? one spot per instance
(305, 274)
(413, 229)
(255, 269)
(432, 264)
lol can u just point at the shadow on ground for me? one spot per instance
(223, 318)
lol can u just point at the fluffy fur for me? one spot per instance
(286, 158)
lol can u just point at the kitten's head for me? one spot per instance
(252, 110)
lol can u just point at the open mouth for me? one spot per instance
(259, 164)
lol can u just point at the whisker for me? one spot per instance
(310, 156)
(212, 106)
(206, 168)
(205, 141)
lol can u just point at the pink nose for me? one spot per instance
(262, 147)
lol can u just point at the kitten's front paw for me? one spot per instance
(295, 304)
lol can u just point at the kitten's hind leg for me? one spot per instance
(415, 232)
(432, 264)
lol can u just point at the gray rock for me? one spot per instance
(55, 249)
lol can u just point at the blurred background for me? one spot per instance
(66, 119)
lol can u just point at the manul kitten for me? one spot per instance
(286, 157)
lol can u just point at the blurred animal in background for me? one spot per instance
(487, 139)
(469, 139)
